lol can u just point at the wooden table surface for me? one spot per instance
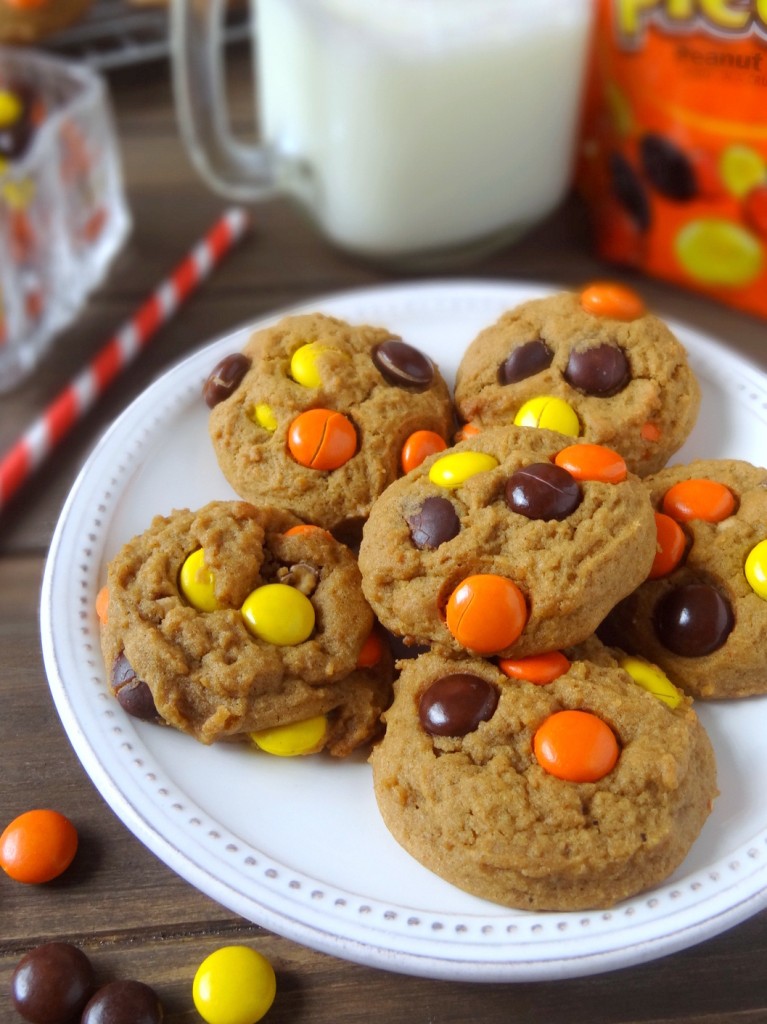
(130, 912)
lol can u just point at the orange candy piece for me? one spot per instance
(592, 462)
(419, 446)
(651, 432)
(670, 546)
(607, 298)
(38, 846)
(304, 528)
(537, 668)
(486, 613)
(576, 746)
(699, 499)
(102, 605)
(322, 439)
(467, 430)
(371, 651)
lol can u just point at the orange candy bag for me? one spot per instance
(673, 158)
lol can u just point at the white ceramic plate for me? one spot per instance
(297, 845)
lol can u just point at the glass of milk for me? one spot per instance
(415, 132)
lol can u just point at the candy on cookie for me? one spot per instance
(593, 364)
(701, 616)
(319, 416)
(493, 548)
(567, 794)
(237, 621)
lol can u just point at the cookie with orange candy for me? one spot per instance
(593, 364)
(512, 542)
(702, 614)
(240, 622)
(570, 790)
(319, 416)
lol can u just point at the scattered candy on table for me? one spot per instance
(38, 846)
(234, 985)
(123, 1002)
(52, 983)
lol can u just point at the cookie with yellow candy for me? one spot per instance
(593, 364)
(234, 619)
(701, 616)
(319, 415)
(565, 792)
(511, 543)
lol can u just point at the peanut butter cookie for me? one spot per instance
(570, 795)
(316, 416)
(233, 619)
(610, 373)
(515, 541)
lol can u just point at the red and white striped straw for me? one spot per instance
(74, 401)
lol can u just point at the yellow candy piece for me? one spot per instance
(741, 169)
(455, 469)
(18, 194)
(279, 614)
(549, 413)
(718, 252)
(234, 985)
(650, 678)
(756, 569)
(10, 108)
(196, 583)
(294, 740)
(303, 365)
(264, 416)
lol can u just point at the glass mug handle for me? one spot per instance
(239, 171)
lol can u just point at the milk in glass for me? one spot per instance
(422, 126)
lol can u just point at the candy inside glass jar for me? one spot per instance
(63, 214)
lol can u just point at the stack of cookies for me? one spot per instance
(555, 594)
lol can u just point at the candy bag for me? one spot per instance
(673, 156)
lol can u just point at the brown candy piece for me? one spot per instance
(455, 705)
(123, 1002)
(402, 365)
(225, 378)
(434, 523)
(693, 620)
(525, 361)
(133, 694)
(602, 370)
(52, 983)
(543, 491)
